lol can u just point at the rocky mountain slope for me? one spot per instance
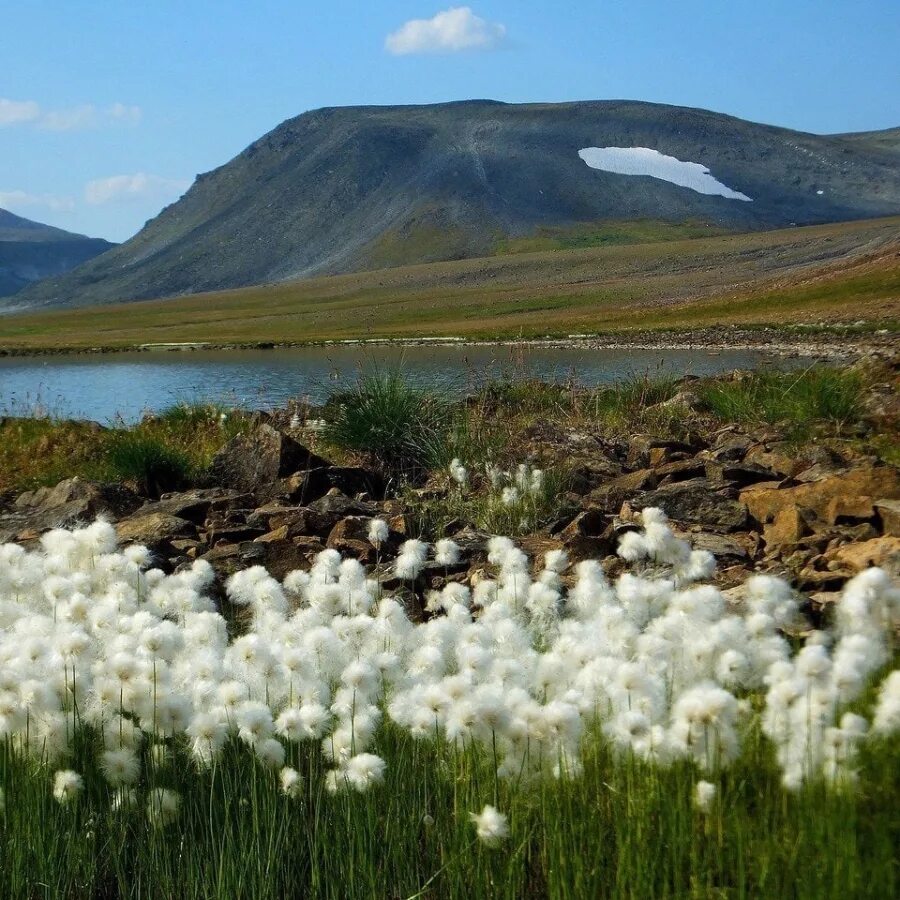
(355, 188)
(30, 251)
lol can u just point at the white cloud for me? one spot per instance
(83, 116)
(140, 186)
(122, 112)
(21, 200)
(86, 115)
(449, 31)
(15, 112)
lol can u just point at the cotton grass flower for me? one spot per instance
(491, 826)
(704, 795)
(514, 667)
(291, 783)
(67, 786)
(163, 805)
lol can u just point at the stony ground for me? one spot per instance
(754, 499)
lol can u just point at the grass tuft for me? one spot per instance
(401, 428)
(800, 400)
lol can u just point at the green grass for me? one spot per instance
(812, 275)
(622, 830)
(607, 234)
(798, 400)
(162, 452)
(401, 429)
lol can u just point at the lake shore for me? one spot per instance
(831, 343)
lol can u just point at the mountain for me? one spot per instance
(354, 188)
(30, 251)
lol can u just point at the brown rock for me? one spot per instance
(849, 509)
(196, 505)
(69, 503)
(153, 529)
(279, 534)
(889, 515)
(679, 470)
(883, 552)
(586, 536)
(610, 496)
(350, 537)
(873, 481)
(788, 527)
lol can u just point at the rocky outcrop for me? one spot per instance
(814, 515)
(68, 503)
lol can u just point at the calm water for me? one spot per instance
(128, 385)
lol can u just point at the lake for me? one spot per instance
(126, 385)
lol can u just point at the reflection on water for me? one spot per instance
(128, 385)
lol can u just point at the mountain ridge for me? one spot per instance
(30, 251)
(344, 189)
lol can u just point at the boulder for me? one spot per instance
(881, 551)
(154, 530)
(69, 503)
(788, 527)
(695, 502)
(888, 512)
(610, 496)
(765, 503)
(729, 446)
(196, 505)
(588, 535)
(842, 510)
(727, 549)
(259, 458)
(350, 536)
(323, 514)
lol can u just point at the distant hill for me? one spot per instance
(30, 251)
(358, 188)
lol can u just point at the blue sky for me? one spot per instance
(109, 109)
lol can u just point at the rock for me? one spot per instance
(695, 502)
(587, 536)
(849, 509)
(882, 551)
(764, 503)
(279, 534)
(153, 529)
(259, 458)
(69, 503)
(226, 559)
(536, 546)
(196, 505)
(788, 526)
(727, 549)
(730, 447)
(283, 556)
(683, 400)
(350, 537)
(610, 496)
(230, 527)
(785, 460)
(743, 474)
(888, 512)
(679, 470)
(640, 445)
(325, 513)
(592, 473)
(882, 408)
